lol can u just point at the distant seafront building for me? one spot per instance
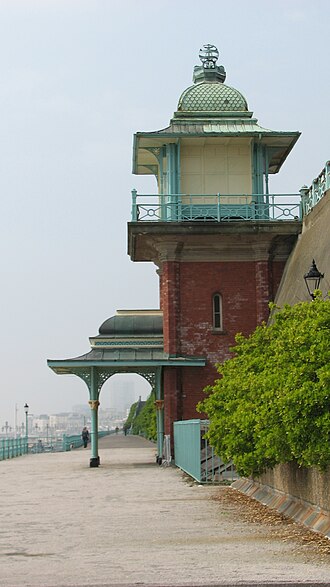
(219, 239)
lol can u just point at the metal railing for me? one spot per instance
(312, 195)
(45, 443)
(75, 440)
(13, 447)
(194, 455)
(215, 207)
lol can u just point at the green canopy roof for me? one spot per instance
(131, 339)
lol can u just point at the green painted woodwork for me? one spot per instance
(81, 368)
(159, 413)
(94, 396)
(194, 455)
(171, 182)
(258, 168)
(187, 447)
(217, 207)
(123, 343)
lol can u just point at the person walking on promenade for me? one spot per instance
(85, 436)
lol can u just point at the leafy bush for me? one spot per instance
(272, 403)
(130, 416)
(144, 423)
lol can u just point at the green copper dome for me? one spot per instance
(212, 97)
(133, 324)
(209, 93)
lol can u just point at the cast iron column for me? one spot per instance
(94, 405)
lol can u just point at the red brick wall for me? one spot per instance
(170, 304)
(277, 272)
(236, 283)
(187, 290)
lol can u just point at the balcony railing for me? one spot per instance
(215, 208)
(311, 196)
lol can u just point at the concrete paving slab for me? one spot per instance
(131, 522)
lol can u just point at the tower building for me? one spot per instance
(219, 238)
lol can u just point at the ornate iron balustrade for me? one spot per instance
(312, 195)
(216, 208)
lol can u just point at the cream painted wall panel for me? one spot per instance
(201, 199)
(245, 150)
(221, 149)
(216, 165)
(239, 184)
(191, 151)
(216, 184)
(191, 184)
(238, 165)
(216, 168)
(233, 150)
(209, 151)
(191, 165)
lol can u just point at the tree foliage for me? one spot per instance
(272, 402)
(143, 423)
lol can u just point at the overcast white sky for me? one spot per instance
(77, 79)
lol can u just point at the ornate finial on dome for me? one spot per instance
(209, 55)
(209, 72)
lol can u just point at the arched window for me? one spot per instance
(217, 311)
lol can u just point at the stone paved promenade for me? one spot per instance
(130, 522)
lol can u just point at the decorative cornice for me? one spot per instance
(127, 343)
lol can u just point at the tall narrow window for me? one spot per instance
(217, 312)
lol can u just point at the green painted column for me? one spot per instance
(159, 415)
(172, 159)
(258, 171)
(94, 406)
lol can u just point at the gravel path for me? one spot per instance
(132, 522)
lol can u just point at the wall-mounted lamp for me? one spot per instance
(312, 279)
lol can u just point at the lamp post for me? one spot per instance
(26, 410)
(312, 279)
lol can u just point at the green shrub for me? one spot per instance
(144, 424)
(272, 402)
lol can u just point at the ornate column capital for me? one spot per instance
(159, 404)
(94, 404)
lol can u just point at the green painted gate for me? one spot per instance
(194, 455)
